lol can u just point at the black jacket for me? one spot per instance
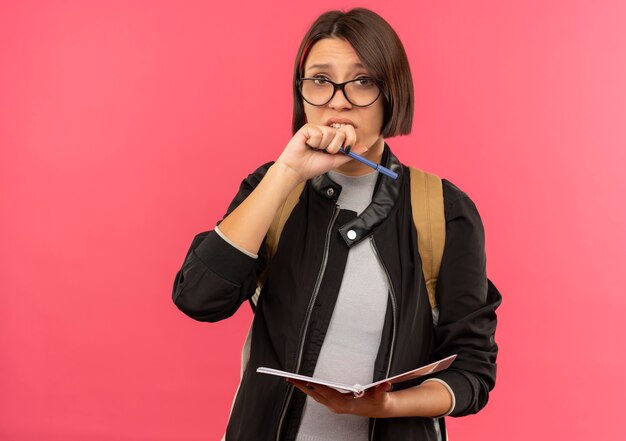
(297, 301)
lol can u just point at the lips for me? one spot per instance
(339, 121)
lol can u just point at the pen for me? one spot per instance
(379, 168)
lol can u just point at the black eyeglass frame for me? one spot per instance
(341, 86)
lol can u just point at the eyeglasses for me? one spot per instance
(360, 92)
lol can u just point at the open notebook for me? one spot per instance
(357, 389)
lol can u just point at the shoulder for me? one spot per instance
(451, 193)
(457, 203)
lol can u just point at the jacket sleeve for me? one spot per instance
(467, 301)
(216, 278)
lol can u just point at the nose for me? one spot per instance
(339, 100)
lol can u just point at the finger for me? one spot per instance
(313, 136)
(328, 133)
(305, 387)
(324, 392)
(310, 390)
(383, 388)
(350, 135)
(388, 387)
(336, 142)
(375, 392)
(335, 400)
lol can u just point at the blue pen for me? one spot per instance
(379, 168)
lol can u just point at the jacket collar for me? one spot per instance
(386, 194)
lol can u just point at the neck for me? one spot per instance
(356, 168)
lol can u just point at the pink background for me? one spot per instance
(126, 127)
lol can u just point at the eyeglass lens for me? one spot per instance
(361, 92)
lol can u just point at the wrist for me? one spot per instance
(288, 177)
(429, 399)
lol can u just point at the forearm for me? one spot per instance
(429, 399)
(247, 225)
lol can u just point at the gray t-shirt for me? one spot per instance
(353, 337)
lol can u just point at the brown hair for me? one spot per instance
(381, 52)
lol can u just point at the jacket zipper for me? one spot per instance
(305, 324)
(394, 308)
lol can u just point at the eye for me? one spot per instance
(320, 80)
(364, 82)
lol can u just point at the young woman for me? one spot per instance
(344, 297)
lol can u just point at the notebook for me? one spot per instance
(357, 389)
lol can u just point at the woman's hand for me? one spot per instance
(312, 151)
(429, 399)
(375, 403)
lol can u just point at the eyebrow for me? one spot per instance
(326, 66)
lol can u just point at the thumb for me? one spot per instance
(384, 387)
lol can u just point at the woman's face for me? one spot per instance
(336, 60)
